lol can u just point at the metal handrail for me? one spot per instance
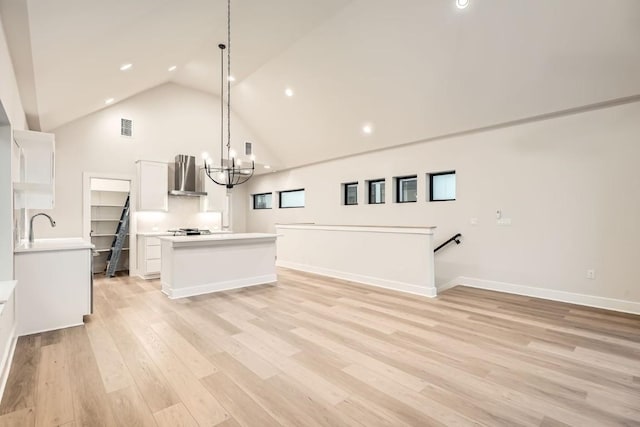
(455, 238)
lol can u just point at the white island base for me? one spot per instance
(195, 265)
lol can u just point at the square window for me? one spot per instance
(292, 199)
(407, 189)
(442, 186)
(262, 201)
(376, 191)
(350, 193)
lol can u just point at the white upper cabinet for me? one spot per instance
(153, 186)
(215, 200)
(36, 186)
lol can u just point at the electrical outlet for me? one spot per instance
(504, 221)
(591, 274)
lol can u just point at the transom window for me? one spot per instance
(292, 199)
(442, 186)
(407, 189)
(376, 191)
(350, 193)
(262, 201)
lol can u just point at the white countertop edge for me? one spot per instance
(6, 289)
(60, 244)
(154, 233)
(359, 228)
(171, 233)
(216, 239)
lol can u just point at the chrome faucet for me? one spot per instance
(53, 224)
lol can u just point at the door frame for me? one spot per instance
(86, 211)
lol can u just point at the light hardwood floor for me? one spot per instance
(317, 351)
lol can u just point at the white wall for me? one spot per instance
(570, 185)
(9, 95)
(167, 120)
(11, 115)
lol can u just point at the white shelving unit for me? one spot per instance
(107, 203)
(36, 186)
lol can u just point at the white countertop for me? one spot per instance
(171, 233)
(154, 233)
(58, 244)
(6, 288)
(216, 238)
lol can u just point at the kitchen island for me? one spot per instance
(195, 265)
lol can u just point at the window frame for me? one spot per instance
(369, 184)
(345, 186)
(253, 200)
(431, 175)
(398, 181)
(290, 191)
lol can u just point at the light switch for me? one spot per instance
(473, 221)
(504, 221)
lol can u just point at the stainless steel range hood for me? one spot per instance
(185, 177)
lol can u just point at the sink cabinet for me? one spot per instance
(54, 288)
(7, 328)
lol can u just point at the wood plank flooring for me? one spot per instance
(315, 351)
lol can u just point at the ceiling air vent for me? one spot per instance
(248, 148)
(126, 127)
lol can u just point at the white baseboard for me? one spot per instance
(5, 365)
(65, 326)
(450, 284)
(218, 286)
(151, 276)
(359, 278)
(544, 293)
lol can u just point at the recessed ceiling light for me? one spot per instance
(288, 91)
(173, 68)
(231, 79)
(109, 101)
(462, 4)
(125, 67)
(368, 129)
(267, 167)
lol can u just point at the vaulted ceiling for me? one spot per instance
(410, 69)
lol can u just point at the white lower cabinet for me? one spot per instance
(54, 289)
(7, 328)
(149, 255)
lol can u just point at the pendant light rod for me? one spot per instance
(222, 47)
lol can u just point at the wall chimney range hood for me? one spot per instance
(185, 177)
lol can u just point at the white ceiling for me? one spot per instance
(414, 69)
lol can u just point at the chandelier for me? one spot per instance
(231, 171)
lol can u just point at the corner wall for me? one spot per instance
(570, 186)
(11, 117)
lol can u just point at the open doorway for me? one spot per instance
(106, 219)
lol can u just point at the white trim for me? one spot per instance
(359, 228)
(550, 294)
(366, 280)
(71, 325)
(5, 367)
(450, 284)
(218, 286)
(150, 276)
